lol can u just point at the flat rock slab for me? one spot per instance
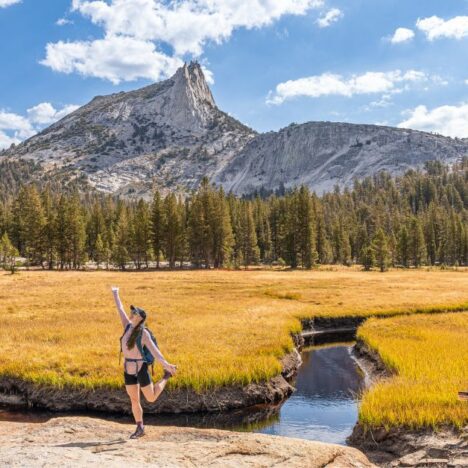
(79, 441)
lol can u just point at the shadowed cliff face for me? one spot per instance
(172, 133)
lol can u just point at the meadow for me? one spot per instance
(429, 358)
(219, 327)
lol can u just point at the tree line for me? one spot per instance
(417, 219)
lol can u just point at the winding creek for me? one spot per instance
(324, 406)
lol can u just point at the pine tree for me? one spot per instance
(99, 251)
(120, 254)
(367, 257)
(221, 230)
(247, 236)
(403, 247)
(306, 235)
(8, 253)
(172, 229)
(382, 252)
(417, 243)
(29, 225)
(141, 235)
(157, 226)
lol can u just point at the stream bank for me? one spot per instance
(402, 446)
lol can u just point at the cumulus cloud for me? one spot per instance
(402, 35)
(15, 128)
(435, 27)
(447, 120)
(330, 17)
(332, 84)
(6, 3)
(45, 113)
(114, 58)
(136, 32)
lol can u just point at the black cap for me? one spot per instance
(138, 311)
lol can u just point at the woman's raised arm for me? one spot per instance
(148, 342)
(118, 303)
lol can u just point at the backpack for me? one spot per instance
(144, 351)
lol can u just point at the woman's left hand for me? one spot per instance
(170, 368)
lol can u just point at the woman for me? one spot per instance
(136, 372)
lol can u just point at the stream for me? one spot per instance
(324, 407)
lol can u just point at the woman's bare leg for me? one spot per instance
(134, 394)
(153, 390)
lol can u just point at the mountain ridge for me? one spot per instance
(171, 134)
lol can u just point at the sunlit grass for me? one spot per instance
(219, 327)
(429, 356)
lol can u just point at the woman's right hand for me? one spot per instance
(115, 289)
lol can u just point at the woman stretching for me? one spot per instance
(136, 372)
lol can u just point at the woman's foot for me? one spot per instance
(167, 375)
(139, 432)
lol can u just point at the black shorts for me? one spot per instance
(143, 377)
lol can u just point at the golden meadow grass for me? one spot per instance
(429, 354)
(219, 327)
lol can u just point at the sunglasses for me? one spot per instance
(136, 311)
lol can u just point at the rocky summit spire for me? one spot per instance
(192, 101)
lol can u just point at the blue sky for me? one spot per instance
(273, 62)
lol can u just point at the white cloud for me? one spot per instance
(114, 58)
(209, 77)
(333, 84)
(45, 114)
(447, 120)
(330, 17)
(15, 128)
(466, 81)
(135, 32)
(6, 3)
(63, 22)
(17, 124)
(435, 27)
(402, 35)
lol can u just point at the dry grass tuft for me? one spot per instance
(429, 355)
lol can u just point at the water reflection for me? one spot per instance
(324, 407)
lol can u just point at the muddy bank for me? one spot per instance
(79, 441)
(15, 392)
(401, 446)
(322, 330)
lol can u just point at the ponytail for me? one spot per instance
(133, 336)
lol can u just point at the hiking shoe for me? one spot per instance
(167, 375)
(140, 432)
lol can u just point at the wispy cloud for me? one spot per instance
(7, 3)
(63, 22)
(330, 17)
